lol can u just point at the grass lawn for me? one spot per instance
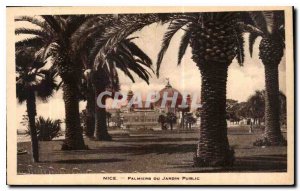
(152, 151)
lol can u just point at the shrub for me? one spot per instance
(47, 129)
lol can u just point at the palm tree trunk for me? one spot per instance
(73, 138)
(213, 147)
(100, 123)
(90, 111)
(31, 111)
(272, 108)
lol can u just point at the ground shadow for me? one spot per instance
(134, 139)
(262, 163)
(85, 161)
(153, 149)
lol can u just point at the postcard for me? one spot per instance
(150, 96)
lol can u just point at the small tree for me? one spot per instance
(171, 119)
(190, 120)
(232, 110)
(162, 121)
(243, 111)
(198, 114)
(256, 106)
(108, 117)
(118, 118)
(83, 122)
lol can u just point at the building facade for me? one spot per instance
(142, 117)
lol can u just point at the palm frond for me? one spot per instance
(122, 28)
(270, 19)
(38, 32)
(75, 22)
(172, 29)
(183, 45)
(278, 19)
(126, 60)
(46, 87)
(136, 68)
(49, 49)
(31, 77)
(252, 38)
(36, 42)
(136, 51)
(240, 47)
(249, 28)
(61, 21)
(21, 92)
(119, 64)
(34, 21)
(224, 16)
(90, 34)
(53, 23)
(114, 78)
(89, 25)
(281, 32)
(260, 21)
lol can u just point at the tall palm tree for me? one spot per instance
(56, 41)
(270, 26)
(124, 55)
(85, 37)
(32, 82)
(127, 56)
(87, 92)
(109, 31)
(216, 39)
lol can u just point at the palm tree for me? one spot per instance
(127, 56)
(85, 36)
(64, 39)
(270, 26)
(108, 36)
(99, 39)
(32, 82)
(256, 105)
(88, 114)
(216, 39)
(54, 41)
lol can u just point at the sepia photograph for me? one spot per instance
(150, 96)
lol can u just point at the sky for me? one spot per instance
(242, 80)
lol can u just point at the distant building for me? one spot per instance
(142, 117)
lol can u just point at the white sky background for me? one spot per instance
(242, 81)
